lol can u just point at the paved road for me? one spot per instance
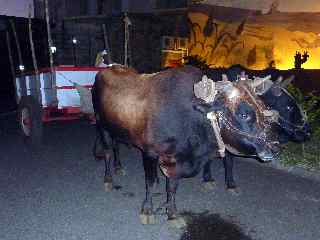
(57, 193)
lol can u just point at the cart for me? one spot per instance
(53, 95)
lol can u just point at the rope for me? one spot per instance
(206, 90)
(214, 123)
(302, 112)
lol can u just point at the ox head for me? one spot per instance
(292, 122)
(245, 122)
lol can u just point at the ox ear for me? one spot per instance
(224, 77)
(261, 85)
(257, 81)
(280, 83)
(279, 80)
(286, 82)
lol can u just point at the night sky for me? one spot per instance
(18, 8)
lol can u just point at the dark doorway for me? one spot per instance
(7, 94)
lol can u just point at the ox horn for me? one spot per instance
(258, 81)
(223, 86)
(262, 85)
(225, 77)
(279, 80)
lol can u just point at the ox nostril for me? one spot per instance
(275, 147)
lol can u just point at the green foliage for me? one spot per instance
(306, 155)
(310, 104)
(197, 1)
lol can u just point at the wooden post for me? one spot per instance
(17, 42)
(106, 43)
(52, 74)
(127, 55)
(34, 60)
(13, 71)
(90, 48)
(49, 34)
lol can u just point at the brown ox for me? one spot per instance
(159, 114)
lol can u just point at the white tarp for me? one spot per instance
(71, 97)
(64, 89)
(17, 8)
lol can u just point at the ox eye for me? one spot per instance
(244, 116)
(289, 108)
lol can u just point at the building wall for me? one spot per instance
(264, 5)
(17, 8)
(253, 40)
(137, 6)
(145, 42)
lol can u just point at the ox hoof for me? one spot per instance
(208, 186)
(178, 222)
(147, 219)
(108, 186)
(234, 191)
(120, 172)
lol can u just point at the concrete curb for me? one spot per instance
(295, 170)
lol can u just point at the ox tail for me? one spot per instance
(100, 143)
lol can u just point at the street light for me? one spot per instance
(21, 68)
(74, 40)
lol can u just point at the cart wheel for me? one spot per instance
(30, 120)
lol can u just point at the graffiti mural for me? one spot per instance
(253, 40)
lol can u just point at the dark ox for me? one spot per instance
(292, 124)
(247, 128)
(159, 114)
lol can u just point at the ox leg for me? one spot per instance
(228, 168)
(208, 181)
(106, 143)
(98, 150)
(172, 213)
(117, 163)
(108, 174)
(147, 213)
(171, 188)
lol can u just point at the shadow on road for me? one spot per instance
(206, 226)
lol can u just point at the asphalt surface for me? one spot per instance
(57, 192)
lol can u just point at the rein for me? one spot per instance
(222, 120)
(295, 126)
(231, 127)
(303, 114)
